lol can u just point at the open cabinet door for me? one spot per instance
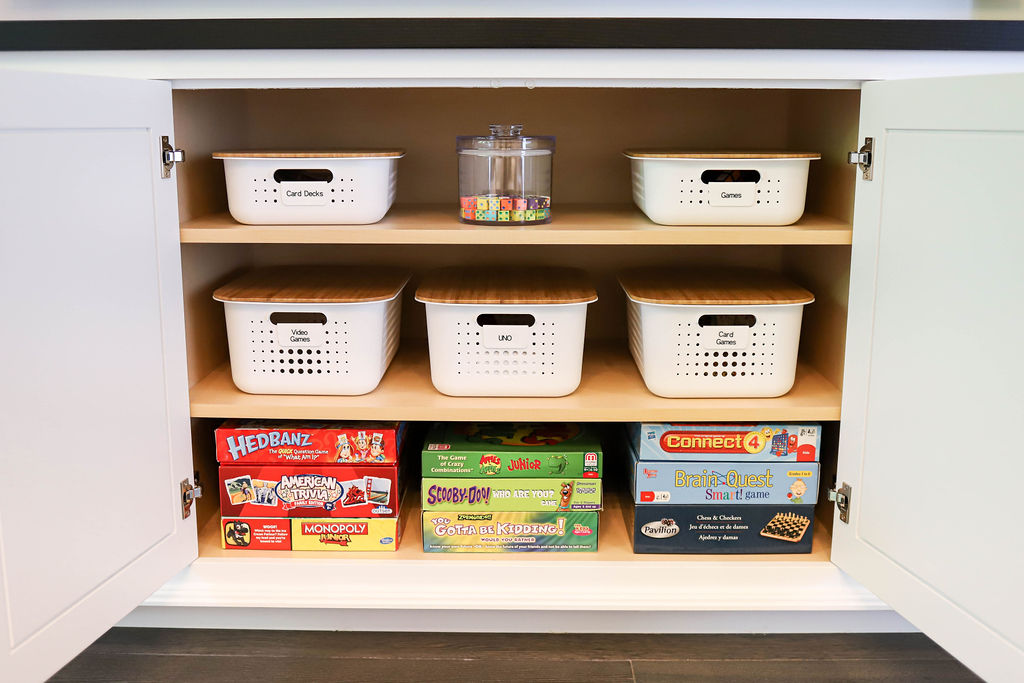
(933, 399)
(94, 426)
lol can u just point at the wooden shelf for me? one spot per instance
(611, 391)
(573, 224)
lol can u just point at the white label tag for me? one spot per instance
(731, 194)
(304, 194)
(731, 337)
(505, 337)
(299, 334)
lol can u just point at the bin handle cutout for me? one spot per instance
(505, 319)
(292, 318)
(720, 320)
(303, 175)
(729, 176)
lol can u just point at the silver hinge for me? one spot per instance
(169, 157)
(863, 158)
(189, 493)
(842, 501)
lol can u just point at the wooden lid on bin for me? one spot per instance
(685, 286)
(315, 284)
(316, 154)
(679, 154)
(506, 285)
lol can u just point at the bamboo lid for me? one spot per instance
(678, 154)
(505, 285)
(315, 284)
(329, 154)
(682, 286)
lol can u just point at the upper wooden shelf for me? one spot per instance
(573, 224)
(611, 391)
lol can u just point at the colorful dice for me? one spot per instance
(506, 204)
(468, 203)
(517, 215)
(503, 216)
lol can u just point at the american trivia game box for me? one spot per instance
(769, 442)
(289, 442)
(361, 534)
(309, 490)
(502, 449)
(511, 495)
(495, 532)
(720, 529)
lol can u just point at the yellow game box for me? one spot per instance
(379, 534)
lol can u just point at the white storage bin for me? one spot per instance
(312, 329)
(721, 333)
(504, 332)
(690, 188)
(340, 187)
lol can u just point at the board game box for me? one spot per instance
(723, 442)
(360, 534)
(511, 495)
(724, 483)
(291, 442)
(502, 449)
(497, 532)
(309, 490)
(720, 529)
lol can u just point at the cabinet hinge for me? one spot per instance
(863, 158)
(189, 492)
(842, 501)
(169, 157)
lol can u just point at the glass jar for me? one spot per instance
(505, 177)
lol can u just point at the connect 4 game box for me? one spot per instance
(724, 442)
(321, 443)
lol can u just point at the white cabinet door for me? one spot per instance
(94, 426)
(933, 402)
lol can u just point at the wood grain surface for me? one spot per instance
(674, 154)
(506, 285)
(710, 287)
(312, 154)
(315, 284)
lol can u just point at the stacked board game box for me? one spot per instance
(723, 488)
(503, 487)
(309, 485)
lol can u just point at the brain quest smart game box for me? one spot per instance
(554, 449)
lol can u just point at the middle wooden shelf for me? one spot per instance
(611, 390)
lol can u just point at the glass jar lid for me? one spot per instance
(505, 140)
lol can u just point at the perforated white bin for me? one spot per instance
(693, 188)
(724, 333)
(312, 330)
(342, 187)
(504, 332)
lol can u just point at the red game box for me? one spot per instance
(309, 490)
(289, 442)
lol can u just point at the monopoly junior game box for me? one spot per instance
(496, 449)
(720, 529)
(494, 532)
(511, 495)
(252, 490)
(360, 534)
(768, 442)
(291, 442)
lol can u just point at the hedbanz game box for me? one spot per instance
(290, 442)
(496, 449)
(252, 490)
(361, 534)
(511, 495)
(495, 532)
(722, 442)
(720, 529)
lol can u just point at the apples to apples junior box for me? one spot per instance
(504, 449)
(726, 442)
(293, 442)
(497, 532)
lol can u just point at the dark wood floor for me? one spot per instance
(129, 654)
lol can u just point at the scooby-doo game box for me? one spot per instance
(360, 534)
(502, 449)
(511, 495)
(309, 490)
(497, 532)
(289, 442)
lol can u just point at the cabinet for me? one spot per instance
(910, 283)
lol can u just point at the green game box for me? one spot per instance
(511, 495)
(497, 532)
(501, 449)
